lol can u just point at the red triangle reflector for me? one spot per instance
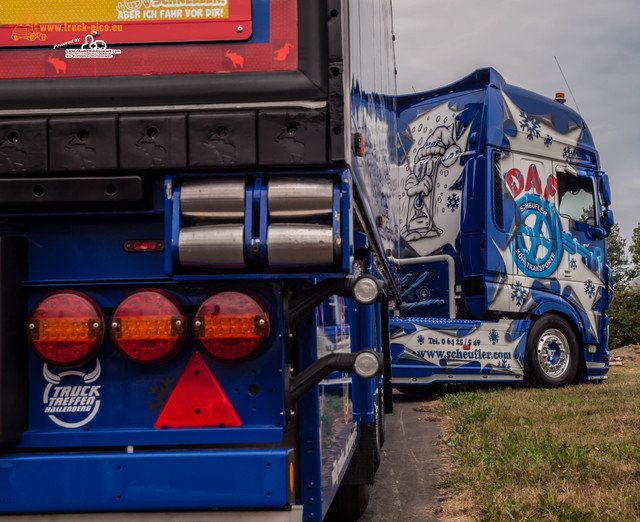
(197, 401)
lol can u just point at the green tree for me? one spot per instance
(624, 318)
(617, 257)
(634, 249)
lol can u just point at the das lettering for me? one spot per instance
(517, 183)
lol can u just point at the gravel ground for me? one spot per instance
(628, 355)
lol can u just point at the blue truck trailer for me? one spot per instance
(501, 216)
(193, 292)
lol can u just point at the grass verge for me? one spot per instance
(537, 454)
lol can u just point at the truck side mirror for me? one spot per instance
(606, 191)
(607, 220)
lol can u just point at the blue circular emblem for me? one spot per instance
(537, 247)
(423, 293)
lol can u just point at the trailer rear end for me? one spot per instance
(192, 307)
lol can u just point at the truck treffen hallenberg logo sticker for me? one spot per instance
(71, 399)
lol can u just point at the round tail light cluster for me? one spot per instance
(231, 326)
(148, 326)
(65, 328)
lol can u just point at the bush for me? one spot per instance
(624, 318)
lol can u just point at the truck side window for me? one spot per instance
(576, 199)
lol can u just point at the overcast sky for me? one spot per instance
(596, 43)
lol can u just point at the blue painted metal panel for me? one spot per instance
(425, 289)
(261, 21)
(71, 248)
(429, 350)
(364, 395)
(311, 477)
(143, 481)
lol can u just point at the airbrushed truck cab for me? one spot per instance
(502, 213)
(191, 317)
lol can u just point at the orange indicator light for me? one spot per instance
(231, 326)
(65, 328)
(148, 326)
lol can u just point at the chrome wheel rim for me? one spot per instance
(553, 353)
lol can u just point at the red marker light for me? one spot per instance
(65, 328)
(197, 401)
(143, 245)
(148, 327)
(231, 326)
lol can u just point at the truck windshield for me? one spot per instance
(576, 199)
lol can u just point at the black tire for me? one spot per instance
(350, 502)
(551, 358)
(415, 390)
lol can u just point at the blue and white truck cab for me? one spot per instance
(502, 212)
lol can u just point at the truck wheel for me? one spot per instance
(350, 503)
(552, 352)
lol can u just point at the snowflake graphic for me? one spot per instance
(420, 339)
(548, 140)
(589, 288)
(529, 125)
(518, 293)
(160, 393)
(567, 153)
(494, 336)
(504, 365)
(453, 202)
(574, 264)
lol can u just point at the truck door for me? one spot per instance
(582, 264)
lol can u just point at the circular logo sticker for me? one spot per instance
(71, 398)
(537, 248)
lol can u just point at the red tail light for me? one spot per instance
(231, 326)
(65, 328)
(148, 327)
